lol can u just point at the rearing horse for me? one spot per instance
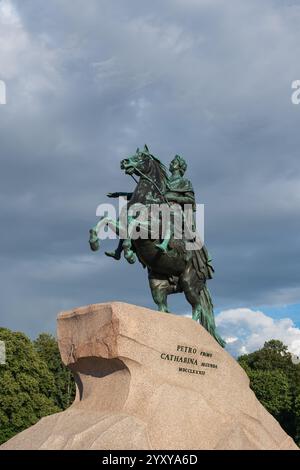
(179, 269)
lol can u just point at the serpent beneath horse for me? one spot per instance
(177, 270)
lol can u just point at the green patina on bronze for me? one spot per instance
(171, 267)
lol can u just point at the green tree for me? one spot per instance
(26, 386)
(64, 390)
(276, 382)
(272, 389)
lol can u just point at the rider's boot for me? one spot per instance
(164, 245)
(114, 254)
(117, 253)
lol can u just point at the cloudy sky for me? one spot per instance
(89, 81)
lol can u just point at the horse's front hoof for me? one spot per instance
(131, 258)
(94, 240)
(95, 245)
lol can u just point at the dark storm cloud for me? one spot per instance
(88, 82)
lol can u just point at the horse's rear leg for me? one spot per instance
(160, 288)
(191, 286)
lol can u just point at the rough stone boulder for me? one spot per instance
(149, 380)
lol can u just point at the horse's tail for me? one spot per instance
(206, 317)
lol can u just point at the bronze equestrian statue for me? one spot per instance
(172, 267)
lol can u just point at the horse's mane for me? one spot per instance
(162, 168)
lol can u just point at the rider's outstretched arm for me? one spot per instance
(120, 194)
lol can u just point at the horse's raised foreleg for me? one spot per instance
(94, 231)
(94, 240)
(117, 228)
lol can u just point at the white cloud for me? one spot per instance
(28, 64)
(246, 330)
(8, 13)
(231, 339)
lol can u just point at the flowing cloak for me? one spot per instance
(201, 259)
(202, 262)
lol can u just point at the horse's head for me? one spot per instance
(138, 164)
(144, 163)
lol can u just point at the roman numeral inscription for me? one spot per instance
(191, 360)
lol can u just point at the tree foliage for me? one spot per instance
(64, 390)
(33, 382)
(276, 382)
(26, 386)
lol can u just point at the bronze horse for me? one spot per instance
(179, 269)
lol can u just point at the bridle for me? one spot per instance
(152, 182)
